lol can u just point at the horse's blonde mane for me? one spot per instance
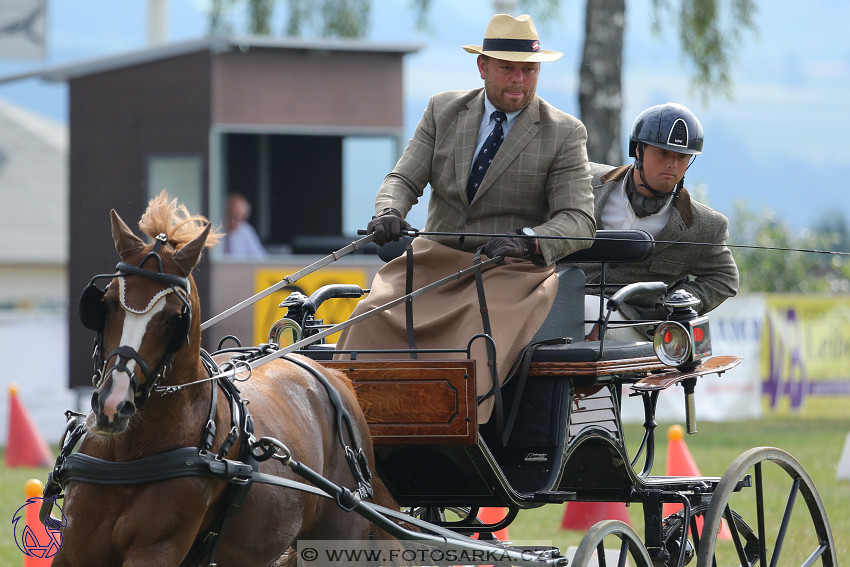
(165, 215)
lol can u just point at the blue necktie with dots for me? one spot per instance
(486, 155)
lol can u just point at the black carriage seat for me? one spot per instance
(538, 427)
(527, 469)
(566, 317)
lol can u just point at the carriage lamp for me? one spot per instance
(287, 331)
(684, 339)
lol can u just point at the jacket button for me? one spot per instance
(468, 222)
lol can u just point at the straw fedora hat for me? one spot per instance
(512, 39)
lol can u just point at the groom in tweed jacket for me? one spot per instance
(650, 195)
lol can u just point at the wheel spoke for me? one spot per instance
(760, 515)
(600, 554)
(624, 553)
(736, 536)
(786, 517)
(815, 556)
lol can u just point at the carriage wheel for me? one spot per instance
(618, 538)
(438, 514)
(758, 497)
(456, 518)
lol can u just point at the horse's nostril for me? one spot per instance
(126, 409)
(95, 406)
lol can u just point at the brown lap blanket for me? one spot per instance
(518, 295)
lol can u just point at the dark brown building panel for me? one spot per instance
(260, 116)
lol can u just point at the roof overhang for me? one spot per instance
(214, 44)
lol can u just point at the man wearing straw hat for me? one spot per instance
(538, 178)
(500, 161)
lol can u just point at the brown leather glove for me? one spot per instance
(514, 246)
(387, 226)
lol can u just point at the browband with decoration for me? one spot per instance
(145, 295)
(522, 45)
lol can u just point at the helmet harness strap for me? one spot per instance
(639, 150)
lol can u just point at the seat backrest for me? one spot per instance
(566, 316)
(615, 246)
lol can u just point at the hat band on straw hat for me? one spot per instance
(520, 45)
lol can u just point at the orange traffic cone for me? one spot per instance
(681, 463)
(580, 516)
(40, 546)
(492, 516)
(25, 446)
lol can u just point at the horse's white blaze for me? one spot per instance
(135, 326)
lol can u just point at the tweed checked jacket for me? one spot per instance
(712, 267)
(539, 177)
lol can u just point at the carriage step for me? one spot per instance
(554, 496)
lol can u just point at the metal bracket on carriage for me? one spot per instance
(688, 379)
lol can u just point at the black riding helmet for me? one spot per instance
(669, 126)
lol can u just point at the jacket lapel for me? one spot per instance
(466, 138)
(522, 132)
(609, 182)
(681, 213)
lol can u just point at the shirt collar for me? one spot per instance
(490, 109)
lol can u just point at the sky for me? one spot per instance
(781, 143)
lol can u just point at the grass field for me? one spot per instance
(816, 443)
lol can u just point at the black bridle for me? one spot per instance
(93, 316)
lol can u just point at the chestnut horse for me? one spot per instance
(150, 399)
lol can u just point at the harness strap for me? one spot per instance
(495, 388)
(151, 378)
(356, 457)
(176, 463)
(408, 304)
(242, 427)
(525, 358)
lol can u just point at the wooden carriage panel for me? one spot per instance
(596, 369)
(415, 402)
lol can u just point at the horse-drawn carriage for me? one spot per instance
(176, 468)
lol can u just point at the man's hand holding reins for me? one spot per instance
(513, 245)
(387, 226)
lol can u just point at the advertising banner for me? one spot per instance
(805, 349)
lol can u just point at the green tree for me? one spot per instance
(766, 270)
(708, 30)
(325, 18)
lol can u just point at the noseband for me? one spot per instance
(93, 316)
